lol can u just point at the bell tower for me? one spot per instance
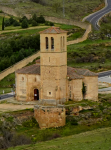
(53, 61)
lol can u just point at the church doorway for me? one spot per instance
(36, 94)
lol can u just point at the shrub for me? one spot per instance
(51, 24)
(41, 19)
(71, 120)
(24, 24)
(16, 23)
(7, 23)
(11, 20)
(34, 23)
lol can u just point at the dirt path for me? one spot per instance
(13, 107)
(30, 28)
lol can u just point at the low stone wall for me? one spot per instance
(83, 38)
(49, 116)
(18, 65)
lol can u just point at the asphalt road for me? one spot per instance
(94, 18)
(5, 96)
(103, 74)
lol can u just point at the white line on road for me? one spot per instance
(101, 13)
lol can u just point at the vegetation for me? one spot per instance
(101, 110)
(3, 24)
(16, 49)
(8, 81)
(94, 55)
(97, 139)
(73, 9)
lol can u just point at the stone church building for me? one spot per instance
(51, 80)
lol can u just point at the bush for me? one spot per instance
(11, 20)
(7, 23)
(51, 24)
(71, 120)
(41, 19)
(34, 23)
(16, 23)
(24, 24)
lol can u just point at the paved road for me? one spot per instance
(105, 73)
(5, 96)
(94, 18)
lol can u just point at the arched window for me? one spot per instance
(63, 42)
(52, 43)
(47, 42)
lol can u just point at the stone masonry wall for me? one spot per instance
(48, 116)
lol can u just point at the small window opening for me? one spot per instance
(46, 39)
(63, 42)
(49, 59)
(22, 78)
(52, 43)
(49, 93)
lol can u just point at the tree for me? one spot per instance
(16, 23)
(3, 24)
(41, 19)
(56, 6)
(34, 23)
(11, 20)
(24, 24)
(34, 17)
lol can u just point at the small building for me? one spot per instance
(52, 81)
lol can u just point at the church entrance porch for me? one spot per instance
(36, 94)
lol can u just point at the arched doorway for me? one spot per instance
(36, 94)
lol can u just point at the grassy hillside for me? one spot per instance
(73, 9)
(92, 140)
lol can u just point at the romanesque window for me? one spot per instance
(47, 42)
(49, 93)
(52, 43)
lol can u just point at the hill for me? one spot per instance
(74, 9)
(96, 139)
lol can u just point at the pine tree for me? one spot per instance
(3, 24)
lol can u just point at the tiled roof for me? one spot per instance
(85, 72)
(72, 73)
(33, 69)
(53, 30)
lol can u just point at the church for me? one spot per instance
(52, 81)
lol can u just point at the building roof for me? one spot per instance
(85, 72)
(72, 73)
(33, 69)
(53, 29)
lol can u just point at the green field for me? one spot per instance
(92, 140)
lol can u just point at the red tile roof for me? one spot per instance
(53, 29)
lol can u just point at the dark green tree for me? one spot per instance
(34, 23)
(3, 24)
(34, 17)
(24, 24)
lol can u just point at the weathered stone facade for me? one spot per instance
(52, 81)
(48, 117)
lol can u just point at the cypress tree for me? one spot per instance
(3, 24)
